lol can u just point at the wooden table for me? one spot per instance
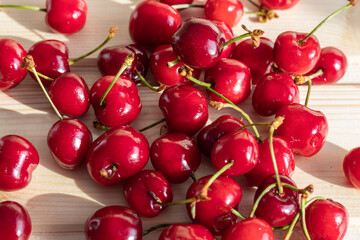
(60, 201)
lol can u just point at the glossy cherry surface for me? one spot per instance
(228, 11)
(11, 56)
(18, 160)
(121, 152)
(186, 232)
(185, 109)
(175, 2)
(15, 222)
(68, 141)
(113, 222)
(351, 166)
(226, 51)
(278, 4)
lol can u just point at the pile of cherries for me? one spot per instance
(180, 51)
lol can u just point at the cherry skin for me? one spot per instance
(273, 91)
(326, 219)
(175, 2)
(68, 141)
(231, 78)
(293, 57)
(15, 222)
(11, 56)
(223, 125)
(185, 109)
(215, 214)
(116, 155)
(113, 222)
(186, 232)
(198, 43)
(284, 156)
(259, 59)
(111, 59)
(18, 160)
(176, 156)
(143, 190)
(66, 16)
(70, 94)
(278, 4)
(228, 11)
(304, 128)
(251, 228)
(351, 166)
(153, 23)
(226, 51)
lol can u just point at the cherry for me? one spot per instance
(278, 4)
(326, 219)
(259, 59)
(231, 78)
(227, 50)
(176, 156)
(304, 128)
(153, 23)
(18, 159)
(145, 192)
(228, 11)
(116, 155)
(185, 109)
(273, 91)
(113, 222)
(15, 222)
(186, 232)
(176, 2)
(11, 55)
(251, 228)
(351, 166)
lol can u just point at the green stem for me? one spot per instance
(256, 13)
(236, 213)
(186, 201)
(24, 7)
(146, 232)
(181, 6)
(152, 125)
(143, 80)
(100, 126)
(254, 124)
(273, 159)
(303, 220)
(256, 5)
(41, 75)
(235, 39)
(292, 225)
(172, 63)
(308, 92)
(193, 177)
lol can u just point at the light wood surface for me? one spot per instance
(60, 201)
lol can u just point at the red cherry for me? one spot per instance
(351, 167)
(11, 56)
(176, 2)
(145, 190)
(68, 141)
(153, 23)
(278, 4)
(176, 156)
(304, 128)
(326, 219)
(18, 159)
(227, 50)
(228, 11)
(273, 91)
(66, 16)
(113, 222)
(185, 109)
(293, 57)
(186, 232)
(231, 78)
(116, 155)
(15, 222)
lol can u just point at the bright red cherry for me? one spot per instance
(186, 232)
(351, 167)
(11, 56)
(145, 190)
(153, 23)
(326, 219)
(68, 141)
(113, 222)
(227, 50)
(15, 222)
(18, 160)
(175, 2)
(228, 11)
(278, 4)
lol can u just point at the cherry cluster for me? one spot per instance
(180, 52)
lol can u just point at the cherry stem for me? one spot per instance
(105, 174)
(24, 7)
(112, 33)
(147, 84)
(308, 92)
(100, 126)
(41, 75)
(236, 213)
(152, 125)
(253, 124)
(256, 5)
(181, 6)
(172, 63)
(256, 13)
(303, 220)
(186, 201)
(127, 63)
(146, 232)
(235, 39)
(192, 175)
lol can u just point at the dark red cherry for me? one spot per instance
(11, 56)
(145, 190)
(215, 214)
(326, 219)
(259, 59)
(68, 141)
(226, 51)
(284, 156)
(186, 232)
(176, 156)
(116, 155)
(293, 57)
(273, 91)
(276, 209)
(66, 16)
(304, 128)
(153, 23)
(18, 160)
(278, 4)
(15, 222)
(351, 166)
(197, 42)
(231, 78)
(228, 11)
(251, 228)
(175, 2)
(113, 222)
(185, 109)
